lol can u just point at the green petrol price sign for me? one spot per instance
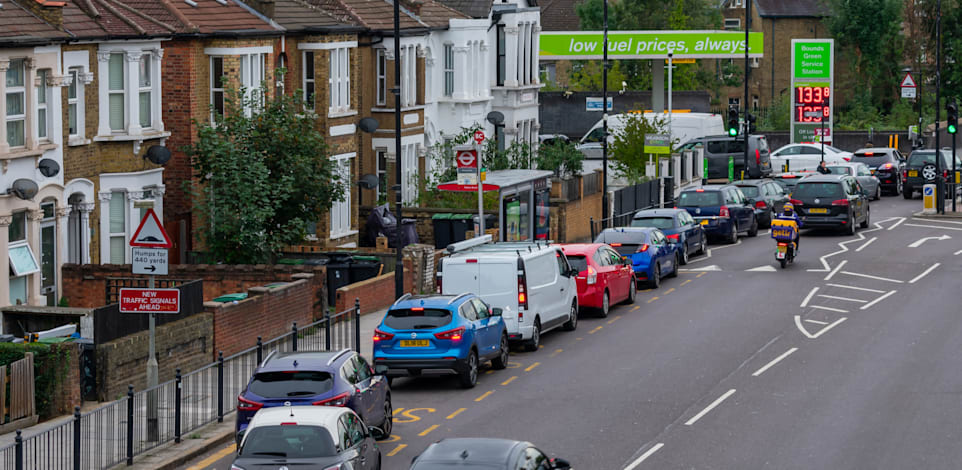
(813, 90)
(649, 44)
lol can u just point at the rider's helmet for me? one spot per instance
(788, 208)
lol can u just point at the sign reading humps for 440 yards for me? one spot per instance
(650, 44)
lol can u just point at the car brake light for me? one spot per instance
(848, 159)
(643, 248)
(382, 336)
(796, 202)
(615, 244)
(886, 166)
(592, 275)
(723, 212)
(782, 244)
(674, 237)
(470, 261)
(868, 154)
(289, 423)
(522, 289)
(453, 335)
(244, 404)
(699, 190)
(905, 174)
(336, 400)
(758, 157)
(417, 309)
(840, 202)
(761, 205)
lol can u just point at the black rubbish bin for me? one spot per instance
(317, 261)
(443, 230)
(409, 233)
(364, 268)
(338, 275)
(460, 224)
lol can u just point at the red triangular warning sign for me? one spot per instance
(150, 233)
(908, 81)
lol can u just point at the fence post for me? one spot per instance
(294, 336)
(18, 451)
(130, 425)
(177, 407)
(260, 351)
(327, 331)
(220, 386)
(76, 438)
(357, 324)
(591, 224)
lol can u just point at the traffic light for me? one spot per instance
(952, 109)
(733, 122)
(751, 123)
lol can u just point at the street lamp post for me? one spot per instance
(939, 180)
(398, 262)
(604, 121)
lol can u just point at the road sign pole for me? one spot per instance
(480, 197)
(153, 427)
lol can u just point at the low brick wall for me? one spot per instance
(375, 294)
(67, 393)
(184, 344)
(267, 312)
(571, 220)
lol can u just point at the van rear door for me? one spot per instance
(499, 289)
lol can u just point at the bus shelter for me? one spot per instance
(524, 212)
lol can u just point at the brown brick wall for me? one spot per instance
(570, 220)
(185, 344)
(67, 394)
(267, 313)
(374, 294)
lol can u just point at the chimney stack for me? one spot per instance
(50, 11)
(264, 7)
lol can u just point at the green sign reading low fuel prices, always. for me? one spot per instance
(813, 90)
(649, 44)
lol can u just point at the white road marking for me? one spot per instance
(713, 267)
(842, 298)
(927, 271)
(878, 300)
(644, 456)
(901, 219)
(865, 289)
(861, 236)
(760, 269)
(877, 278)
(774, 361)
(830, 309)
(834, 271)
(709, 407)
(934, 226)
(817, 322)
(798, 323)
(920, 241)
(709, 250)
(869, 242)
(957, 253)
(937, 220)
(808, 297)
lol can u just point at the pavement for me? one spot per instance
(847, 359)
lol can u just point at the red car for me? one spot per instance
(604, 277)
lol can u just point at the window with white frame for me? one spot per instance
(43, 123)
(448, 69)
(16, 112)
(409, 94)
(117, 91)
(21, 258)
(341, 210)
(308, 79)
(409, 173)
(74, 100)
(144, 91)
(381, 77)
(117, 227)
(339, 80)
(252, 79)
(381, 175)
(501, 56)
(733, 23)
(216, 87)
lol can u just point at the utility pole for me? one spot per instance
(398, 262)
(604, 124)
(939, 180)
(748, 71)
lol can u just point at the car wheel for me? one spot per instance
(572, 323)
(899, 186)
(535, 341)
(703, 247)
(684, 254)
(605, 305)
(632, 291)
(907, 192)
(390, 381)
(753, 232)
(388, 424)
(655, 280)
(865, 223)
(733, 237)
(878, 192)
(501, 362)
(674, 271)
(469, 377)
(851, 225)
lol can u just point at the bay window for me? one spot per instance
(117, 227)
(42, 121)
(309, 85)
(16, 112)
(339, 80)
(117, 91)
(448, 69)
(144, 91)
(216, 87)
(381, 77)
(73, 101)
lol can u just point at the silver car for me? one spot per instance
(863, 174)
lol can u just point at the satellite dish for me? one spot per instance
(48, 167)
(24, 189)
(496, 118)
(368, 181)
(157, 154)
(368, 125)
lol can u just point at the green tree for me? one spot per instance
(262, 177)
(627, 152)
(563, 158)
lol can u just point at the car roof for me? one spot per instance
(820, 178)
(324, 416)
(305, 360)
(708, 187)
(475, 450)
(657, 213)
(580, 248)
(431, 301)
(885, 150)
(749, 182)
(627, 230)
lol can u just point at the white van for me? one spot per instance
(532, 282)
(684, 127)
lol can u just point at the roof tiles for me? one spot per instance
(18, 22)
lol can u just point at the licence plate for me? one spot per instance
(782, 249)
(781, 254)
(913, 173)
(414, 343)
(704, 222)
(873, 172)
(818, 211)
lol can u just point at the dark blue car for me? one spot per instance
(652, 256)
(440, 334)
(323, 378)
(678, 226)
(722, 210)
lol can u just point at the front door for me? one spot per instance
(48, 255)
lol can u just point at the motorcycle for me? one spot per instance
(784, 232)
(785, 253)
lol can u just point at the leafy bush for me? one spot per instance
(627, 152)
(50, 369)
(560, 157)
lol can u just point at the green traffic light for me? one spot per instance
(734, 132)
(952, 129)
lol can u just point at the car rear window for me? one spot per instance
(813, 190)
(611, 237)
(840, 170)
(578, 262)
(872, 159)
(726, 146)
(290, 442)
(700, 199)
(654, 222)
(291, 384)
(749, 191)
(921, 158)
(417, 319)
(625, 249)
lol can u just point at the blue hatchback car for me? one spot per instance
(651, 253)
(722, 210)
(440, 334)
(320, 378)
(678, 226)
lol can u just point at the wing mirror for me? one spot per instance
(380, 369)
(573, 272)
(496, 311)
(377, 433)
(560, 464)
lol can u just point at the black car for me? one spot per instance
(719, 147)
(485, 453)
(788, 180)
(722, 210)
(885, 164)
(831, 201)
(678, 226)
(769, 198)
(920, 170)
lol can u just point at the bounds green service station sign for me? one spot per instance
(649, 44)
(813, 90)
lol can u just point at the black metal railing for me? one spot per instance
(123, 429)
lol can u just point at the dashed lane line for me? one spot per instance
(484, 395)
(700, 274)
(214, 458)
(651, 300)
(774, 361)
(532, 366)
(506, 382)
(428, 430)
(694, 419)
(957, 253)
(878, 300)
(636, 308)
(669, 291)
(614, 319)
(595, 330)
(556, 352)
(397, 449)
(645, 456)
(685, 282)
(453, 415)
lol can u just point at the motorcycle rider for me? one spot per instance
(788, 213)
